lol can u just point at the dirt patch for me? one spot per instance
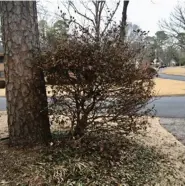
(166, 87)
(180, 71)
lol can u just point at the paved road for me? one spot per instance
(169, 107)
(2, 104)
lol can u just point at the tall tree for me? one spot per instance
(50, 35)
(56, 32)
(160, 40)
(25, 88)
(131, 32)
(97, 21)
(43, 27)
(161, 37)
(124, 20)
(156, 45)
(181, 40)
(175, 25)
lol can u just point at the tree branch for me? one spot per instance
(111, 18)
(124, 19)
(76, 11)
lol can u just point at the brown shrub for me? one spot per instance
(97, 86)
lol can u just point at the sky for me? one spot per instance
(145, 13)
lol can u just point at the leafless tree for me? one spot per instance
(124, 20)
(175, 26)
(94, 17)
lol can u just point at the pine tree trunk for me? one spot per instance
(25, 87)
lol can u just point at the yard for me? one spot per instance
(152, 158)
(93, 132)
(2, 92)
(167, 87)
(162, 88)
(175, 71)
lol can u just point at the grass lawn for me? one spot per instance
(48, 90)
(2, 92)
(153, 158)
(166, 87)
(175, 71)
(163, 87)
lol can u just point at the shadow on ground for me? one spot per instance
(95, 160)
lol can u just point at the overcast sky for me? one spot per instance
(145, 13)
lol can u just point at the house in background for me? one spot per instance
(157, 62)
(2, 77)
(173, 63)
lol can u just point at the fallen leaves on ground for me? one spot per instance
(96, 159)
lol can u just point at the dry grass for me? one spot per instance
(162, 88)
(175, 71)
(166, 87)
(3, 125)
(2, 92)
(155, 158)
(48, 89)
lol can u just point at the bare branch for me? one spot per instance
(111, 18)
(86, 7)
(82, 27)
(176, 22)
(76, 11)
(67, 7)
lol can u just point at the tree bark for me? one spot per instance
(81, 126)
(124, 20)
(99, 6)
(27, 107)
